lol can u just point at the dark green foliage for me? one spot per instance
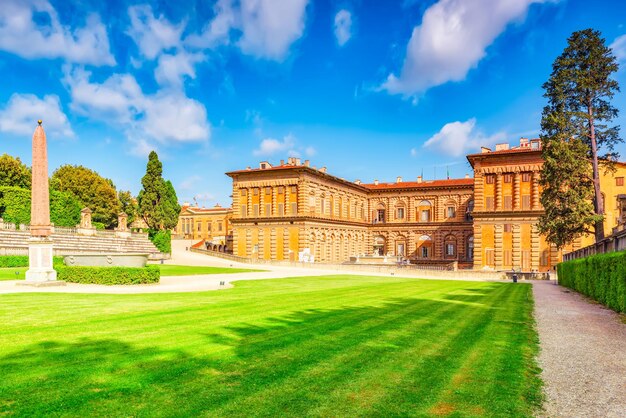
(14, 173)
(161, 239)
(15, 207)
(108, 275)
(601, 277)
(22, 261)
(91, 190)
(157, 201)
(98, 225)
(575, 128)
(128, 205)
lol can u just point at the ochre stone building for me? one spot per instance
(210, 224)
(484, 222)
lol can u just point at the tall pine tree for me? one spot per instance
(157, 201)
(575, 128)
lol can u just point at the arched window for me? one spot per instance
(400, 212)
(379, 245)
(379, 214)
(450, 209)
(449, 246)
(424, 246)
(424, 211)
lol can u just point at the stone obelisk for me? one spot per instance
(40, 271)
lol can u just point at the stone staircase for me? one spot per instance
(15, 242)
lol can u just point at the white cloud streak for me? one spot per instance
(152, 34)
(23, 110)
(457, 138)
(48, 38)
(451, 40)
(343, 27)
(619, 48)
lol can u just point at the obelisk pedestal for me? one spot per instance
(40, 271)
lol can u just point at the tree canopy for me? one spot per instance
(575, 127)
(91, 190)
(157, 201)
(14, 173)
(128, 205)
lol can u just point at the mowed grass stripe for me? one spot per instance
(304, 346)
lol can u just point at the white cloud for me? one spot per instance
(48, 38)
(456, 138)
(271, 146)
(261, 28)
(23, 110)
(619, 48)
(190, 182)
(151, 34)
(343, 27)
(452, 40)
(310, 151)
(172, 69)
(165, 117)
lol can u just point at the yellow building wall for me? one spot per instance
(488, 254)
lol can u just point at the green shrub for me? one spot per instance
(22, 261)
(601, 277)
(15, 207)
(109, 275)
(161, 239)
(98, 225)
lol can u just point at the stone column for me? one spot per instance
(40, 271)
(534, 248)
(535, 204)
(516, 191)
(478, 247)
(498, 192)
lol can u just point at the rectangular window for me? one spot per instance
(451, 213)
(508, 178)
(424, 252)
(281, 189)
(244, 211)
(508, 259)
(255, 211)
(294, 209)
(489, 259)
(425, 216)
(526, 202)
(208, 226)
(281, 209)
(508, 227)
(219, 226)
(526, 177)
(294, 189)
(508, 202)
(400, 213)
(490, 179)
(619, 181)
(199, 226)
(244, 192)
(449, 249)
(489, 202)
(268, 190)
(543, 260)
(255, 192)
(268, 209)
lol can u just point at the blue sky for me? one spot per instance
(370, 89)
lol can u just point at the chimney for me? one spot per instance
(502, 147)
(248, 168)
(282, 162)
(466, 176)
(307, 163)
(323, 170)
(297, 161)
(419, 179)
(375, 182)
(398, 179)
(484, 150)
(523, 142)
(357, 181)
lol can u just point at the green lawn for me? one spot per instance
(8, 273)
(173, 270)
(315, 346)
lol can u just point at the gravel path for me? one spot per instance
(583, 354)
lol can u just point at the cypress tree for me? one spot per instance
(157, 201)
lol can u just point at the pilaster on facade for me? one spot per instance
(479, 190)
(517, 245)
(478, 240)
(498, 192)
(275, 200)
(497, 244)
(534, 248)
(249, 193)
(536, 204)
(517, 190)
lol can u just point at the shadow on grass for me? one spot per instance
(317, 362)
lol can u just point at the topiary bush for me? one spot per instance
(601, 277)
(109, 275)
(22, 261)
(161, 239)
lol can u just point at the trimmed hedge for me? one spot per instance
(161, 239)
(601, 277)
(109, 275)
(15, 207)
(22, 261)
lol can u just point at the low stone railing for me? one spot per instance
(8, 226)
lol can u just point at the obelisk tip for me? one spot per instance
(39, 122)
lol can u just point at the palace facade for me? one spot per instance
(484, 222)
(213, 225)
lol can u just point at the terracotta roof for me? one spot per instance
(505, 151)
(423, 184)
(203, 210)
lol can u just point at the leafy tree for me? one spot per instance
(157, 201)
(15, 207)
(14, 173)
(128, 205)
(91, 190)
(575, 127)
